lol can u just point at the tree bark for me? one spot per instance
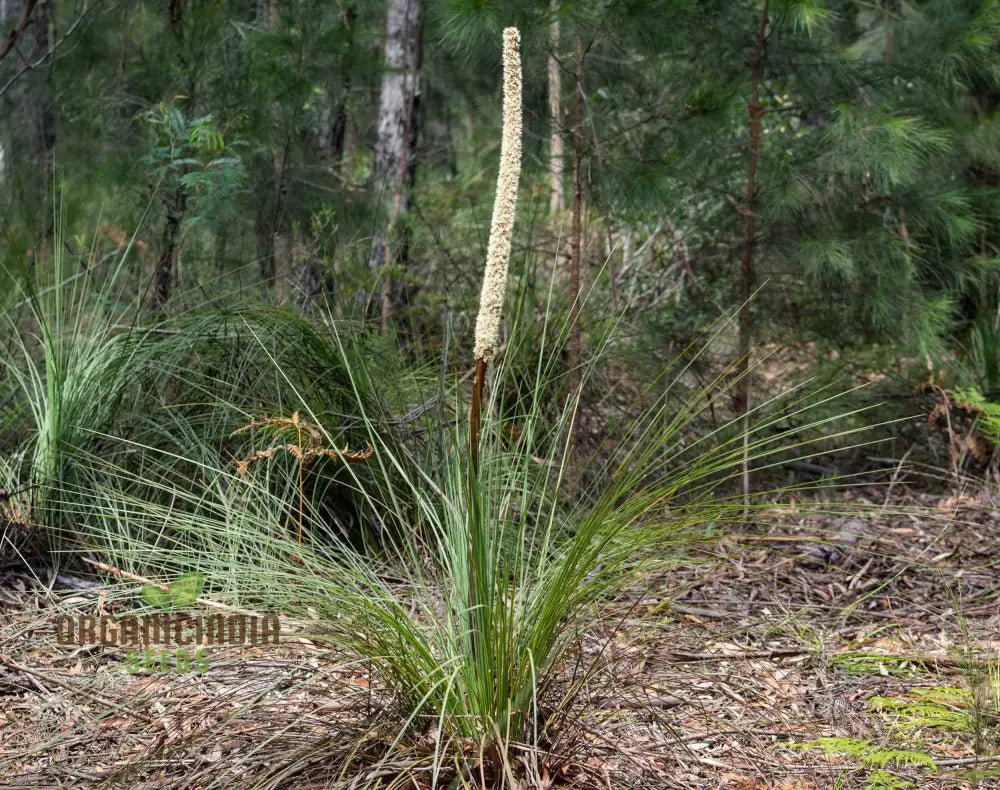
(395, 148)
(175, 206)
(558, 199)
(754, 114)
(163, 277)
(273, 236)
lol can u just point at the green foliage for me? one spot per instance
(940, 707)
(68, 371)
(876, 184)
(884, 780)
(540, 562)
(989, 412)
(193, 159)
(953, 709)
(861, 663)
(868, 754)
(183, 591)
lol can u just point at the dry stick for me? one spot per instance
(134, 577)
(83, 692)
(754, 113)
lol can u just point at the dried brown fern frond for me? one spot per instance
(307, 447)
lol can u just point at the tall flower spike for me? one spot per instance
(498, 251)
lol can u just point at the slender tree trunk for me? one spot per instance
(163, 277)
(754, 113)
(42, 110)
(558, 199)
(336, 135)
(576, 249)
(123, 21)
(397, 136)
(276, 244)
(173, 208)
(275, 219)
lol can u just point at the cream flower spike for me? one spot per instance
(498, 250)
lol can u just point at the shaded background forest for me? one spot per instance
(842, 158)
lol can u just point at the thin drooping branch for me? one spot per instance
(51, 51)
(17, 30)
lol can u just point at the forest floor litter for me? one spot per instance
(805, 653)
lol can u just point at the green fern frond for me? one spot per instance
(883, 780)
(867, 753)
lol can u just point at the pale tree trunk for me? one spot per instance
(558, 198)
(395, 148)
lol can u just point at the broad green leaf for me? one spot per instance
(154, 596)
(186, 589)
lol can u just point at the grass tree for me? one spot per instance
(467, 616)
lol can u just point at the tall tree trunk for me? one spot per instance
(558, 200)
(174, 207)
(273, 237)
(395, 148)
(273, 241)
(123, 21)
(576, 249)
(754, 112)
